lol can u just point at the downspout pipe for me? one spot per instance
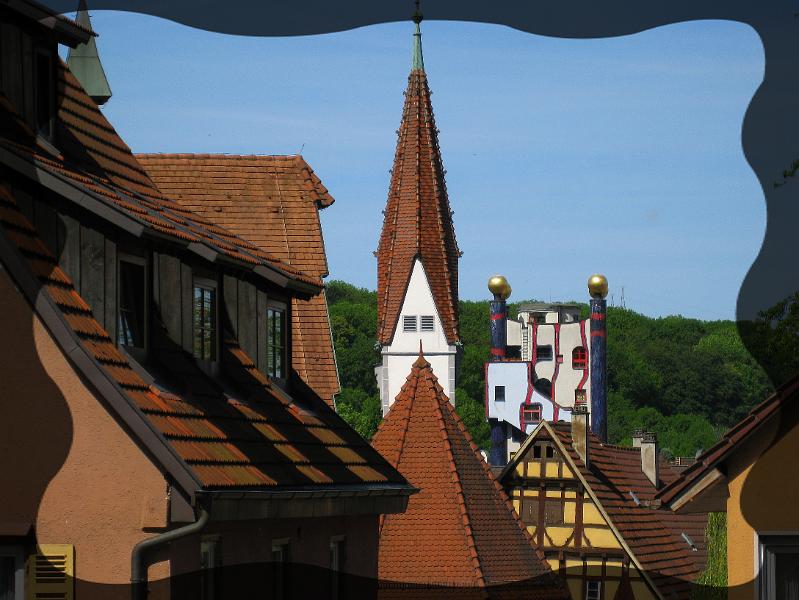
(138, 557)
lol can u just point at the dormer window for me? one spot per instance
(44, 95)
(276, 341)
(132, 304)
(204, 319)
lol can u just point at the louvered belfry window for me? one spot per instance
(51, 572)
(409, 323)
(427, 322)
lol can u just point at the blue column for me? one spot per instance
(599, 369)
(499, 328)
(499, 444)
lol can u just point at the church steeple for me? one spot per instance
(418, 221)
(84, 62)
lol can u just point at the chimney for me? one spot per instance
(649, 457)
(580, 432)
(598, 289)
(637, 435)
(500, 288)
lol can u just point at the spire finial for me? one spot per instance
(421, 352)
(417, 62)
(84, 61)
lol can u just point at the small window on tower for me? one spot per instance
(409, 323)
(543, 353)
(427, 322)
(579, 397)
(499, 393)
(531, 413)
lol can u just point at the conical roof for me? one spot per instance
(84, 62)
(418, 219)
(460, 529)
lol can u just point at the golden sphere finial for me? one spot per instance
(598, 286)
(499, 286)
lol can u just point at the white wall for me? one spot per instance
(399, 356)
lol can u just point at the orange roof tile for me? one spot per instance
(249, 434)
(94, 160)
(418, 220)
(460, 529)
(654, 535)
(273, 202)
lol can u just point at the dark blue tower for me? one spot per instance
(598, 288)
(500, 288)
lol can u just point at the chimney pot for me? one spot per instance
(580, 439)
(649, 457)
(637, 435)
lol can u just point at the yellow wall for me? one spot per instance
(763, 499)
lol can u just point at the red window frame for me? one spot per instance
(579, 358)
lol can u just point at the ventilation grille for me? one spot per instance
(51, 572)
(427, 322)
(409, 323)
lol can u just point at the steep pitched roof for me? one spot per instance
(238, 432)
(786, 396)
(460, 529)
(418, 220)
(95, 168)
(273, 202)
(84, 61)
(653, 535)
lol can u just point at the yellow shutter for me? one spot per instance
(50, 573)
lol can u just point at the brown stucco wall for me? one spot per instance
(764, 496)
(81, 478)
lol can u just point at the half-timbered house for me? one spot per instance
(591, 508)
(145, 433)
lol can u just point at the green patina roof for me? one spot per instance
(84, 62)
(417, 60)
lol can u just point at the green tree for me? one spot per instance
(361, 410)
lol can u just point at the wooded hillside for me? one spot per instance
(685, 379)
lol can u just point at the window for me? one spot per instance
(409, 323)
(537, 451)
(427, 323)
(779, 567)
(580, 397)
(499, 393)
(531, 413)
(553, 512)
(12, 573)
(579, 358)
(593, 590)
(204, 319)
(44, 94)
(132, 303)
(276, 342)
(210, 568)
(543, 353)
(281, 559)
(550, 451)
(337, 559)
(529, 511)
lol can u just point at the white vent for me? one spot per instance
(409, 323)
(427, 322)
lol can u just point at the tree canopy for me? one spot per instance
(685, 379)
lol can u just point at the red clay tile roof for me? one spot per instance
(787, 394)
(653, 535)
(418, 220)
(247, 434)
(460, 529)
(273, 202)
(94, 160)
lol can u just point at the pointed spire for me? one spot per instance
(417, 61)
(84, 62)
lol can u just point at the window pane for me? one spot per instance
(275, 350)
(132, 302)
(204, 323)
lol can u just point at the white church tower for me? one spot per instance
(417, 259)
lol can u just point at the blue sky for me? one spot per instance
(563, 157)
